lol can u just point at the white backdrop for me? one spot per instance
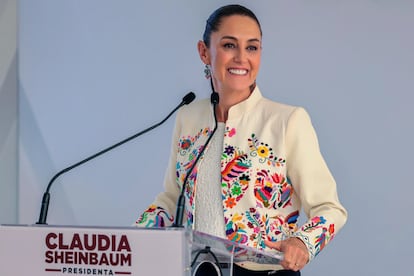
(94, 72)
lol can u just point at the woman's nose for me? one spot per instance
(240, 56)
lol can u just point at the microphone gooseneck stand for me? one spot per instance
(179, 215)
(178, 220)
(46, 196)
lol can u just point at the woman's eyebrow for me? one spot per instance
(234, 38)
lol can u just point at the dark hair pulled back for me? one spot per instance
(215, 19)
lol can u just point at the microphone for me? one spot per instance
(179, 214)
(46, 196)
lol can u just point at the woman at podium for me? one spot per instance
(247, 165)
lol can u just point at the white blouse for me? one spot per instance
(209, 217)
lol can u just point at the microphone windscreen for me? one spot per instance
(214, 98)
(189, 98)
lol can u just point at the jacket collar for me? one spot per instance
(245, 106)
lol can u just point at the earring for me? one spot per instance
(207, 72)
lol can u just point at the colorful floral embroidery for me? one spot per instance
(230, 131)
(315, 223)
(253, 228)
(291, 220)
(272, 189)
(233, 177)
(282, 227)
(235, 229)
(229, 150)
(155, 216)
(256, 223)
(189, 147)
(230, 202)
(263, 188)
(186, 143)
(264, 151)
(326, 233)
(285, 191)
(235, 167)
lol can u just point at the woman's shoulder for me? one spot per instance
(197, 111)
(281, 109)
(198, 106)
(273, 105)
(279, 105)
(291, 114)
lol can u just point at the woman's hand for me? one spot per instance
(295, 252)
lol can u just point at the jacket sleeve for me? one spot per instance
(161, 212)
(313, 184)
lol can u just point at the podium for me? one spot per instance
(81, 250)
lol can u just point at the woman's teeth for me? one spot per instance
(238, 71)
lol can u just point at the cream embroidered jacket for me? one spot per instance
(271, 167)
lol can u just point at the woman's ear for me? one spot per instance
(203, 52)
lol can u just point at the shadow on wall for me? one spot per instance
(3, 5)
(34, 157)
(8, 102)
(8, 142)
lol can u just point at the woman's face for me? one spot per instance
(234, 54)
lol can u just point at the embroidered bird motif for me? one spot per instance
(263, 188)
(286, 192)
(235, 167)
(292, 218)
